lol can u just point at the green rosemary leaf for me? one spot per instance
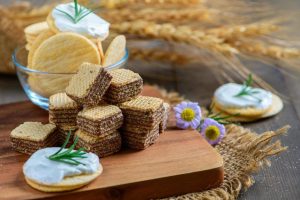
(69, 155)
(247, 90)
(76, 7)
(64, 144)
(67, 14)
(84, 15)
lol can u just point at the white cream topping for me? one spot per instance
(43, 170)
(226, 97)
(91, 25)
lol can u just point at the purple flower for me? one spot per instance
(212, 131)
(188, 115)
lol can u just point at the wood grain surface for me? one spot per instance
(180, 162)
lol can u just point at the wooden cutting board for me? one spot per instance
(180, 162)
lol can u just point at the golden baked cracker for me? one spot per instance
(51, 23)
(47, 85)
(64, 53)
(100, 49)
(67, 184)
(276, 107)
(115, 51)
(38, 41)
(35, 29)
(245, 112)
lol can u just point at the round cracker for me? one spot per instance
(37, 42)
(69, 183)
(35, 29)
(115, 51)
(51, 23)
(64, 53)
(245, 112)
(47, 85)
(276, 107)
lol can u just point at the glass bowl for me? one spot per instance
(39, 85)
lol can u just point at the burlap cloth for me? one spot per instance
(244, 152)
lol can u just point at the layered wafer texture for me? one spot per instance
(102, 145)
(63, 133)
(89, 85)
(143, 111)
(31, 136)
(125, 85)
(100, 119)
(142, 117)
(63, 110)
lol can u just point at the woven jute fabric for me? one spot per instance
(244, 153)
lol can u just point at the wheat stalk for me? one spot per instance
(158, 55)
(260, 49)
(161, 15)
(250, 30)
(169, 32)
(128, 3)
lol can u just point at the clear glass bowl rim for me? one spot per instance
(26, 69)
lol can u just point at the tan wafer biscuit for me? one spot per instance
(31, 136)
(61, 101)
(276, 107)
(89, 84)
(99, 112)
(142, 104)
(37, 42)
(33, 131)
(69, 183)
(115, 51)
(125, 85)
(64, 53)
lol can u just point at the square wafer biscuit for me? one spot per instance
(89, 84)
(63, 110)
(124, 86)
(63, 132)
(135, 140)
(31, 136)
(100, 119)
(143, 111)
(103, 145)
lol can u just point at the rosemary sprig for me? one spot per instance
(220, 116)
(247, 90)
(80, 12)
(68, 156)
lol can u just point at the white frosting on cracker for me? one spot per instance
(45, 171)
(91, 25)
(225, 96)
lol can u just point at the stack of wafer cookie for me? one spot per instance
(89, 85)
(63, 110)
(125, 85)
(142, 117)
(102, 145)
(98, 129)
(31, 136)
